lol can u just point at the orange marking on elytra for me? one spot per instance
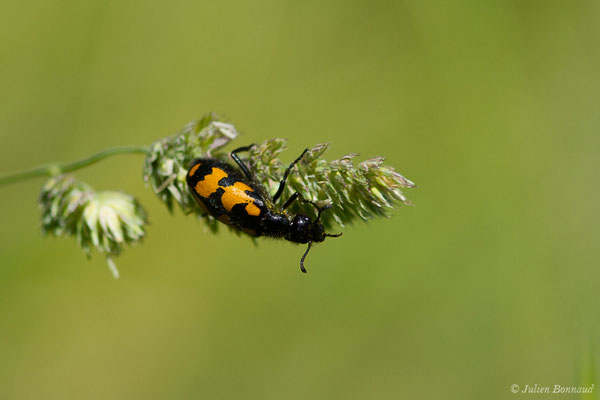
(210, 183)
(234, 194)
(194, 169)
(251, 209)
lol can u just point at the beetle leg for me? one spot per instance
(239, 162)
(285, 176)
(291, 200)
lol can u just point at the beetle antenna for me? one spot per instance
(303, 257)
(321, 209)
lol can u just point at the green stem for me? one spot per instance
(56, 168)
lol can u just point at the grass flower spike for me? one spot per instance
(368, 190)
(108, 220)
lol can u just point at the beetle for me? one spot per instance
(235, 197)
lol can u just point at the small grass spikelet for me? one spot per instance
(168, 159)
(101, 220)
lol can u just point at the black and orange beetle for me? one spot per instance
(236, 198)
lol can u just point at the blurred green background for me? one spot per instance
(492, 108)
